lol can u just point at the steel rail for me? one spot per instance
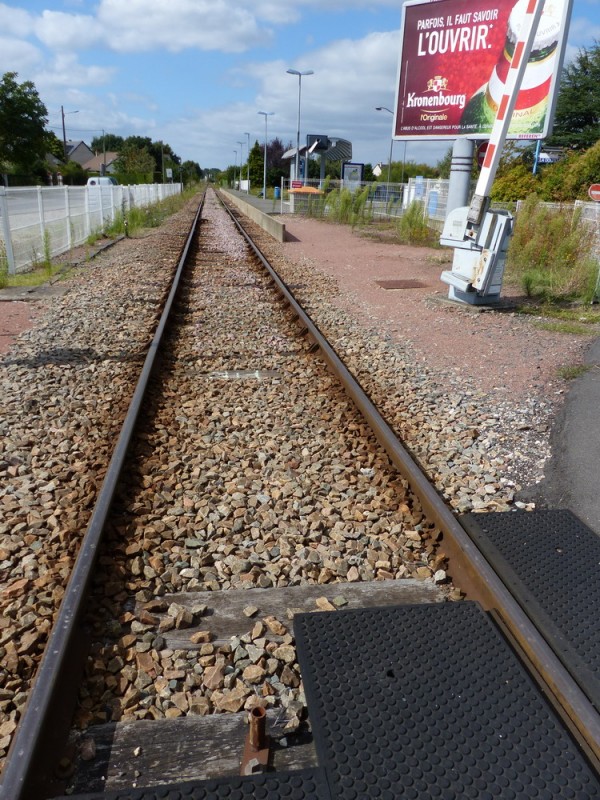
(474, 574)
(31, 758)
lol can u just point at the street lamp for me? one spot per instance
(299, 74)
(63, 113)
(234, 168)
(383, 108)
(241, 144)
(265, 115)
(247, 135)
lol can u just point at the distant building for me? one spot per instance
(78, 152)
(104, 163)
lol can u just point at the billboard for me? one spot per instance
(454, 58)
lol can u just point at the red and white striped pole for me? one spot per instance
(506, 107)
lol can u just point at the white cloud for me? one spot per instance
(66, 72)
(350, 78)
(15, 21)
(140, 25)
(58, 30)
(18, 56)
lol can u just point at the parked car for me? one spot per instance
(102, 180)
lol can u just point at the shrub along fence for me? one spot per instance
(38, 223)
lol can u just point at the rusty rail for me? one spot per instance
(469, 569)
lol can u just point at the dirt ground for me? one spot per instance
(499, 351)
(15, 316)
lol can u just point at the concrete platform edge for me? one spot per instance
(273, 227)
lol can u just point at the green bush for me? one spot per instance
(413, 226)
(551, 252)
(515, 184)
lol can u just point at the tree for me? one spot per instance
(277, 167)
(256, 164)
(191, 171)
(23, 118)
(577, 118)
(443, 166)
(161, 152)
(135, 164)
(110, 142)
(54, 145)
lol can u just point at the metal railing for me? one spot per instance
(40, 222)
(384, 200)
(590, 213)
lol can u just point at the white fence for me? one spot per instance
(36, 222)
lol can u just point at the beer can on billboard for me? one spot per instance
(454, 58)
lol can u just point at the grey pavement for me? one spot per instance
(573, 473)
(268, 206)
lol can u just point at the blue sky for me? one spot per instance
(195, 73)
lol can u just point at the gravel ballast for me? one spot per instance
(66, 384)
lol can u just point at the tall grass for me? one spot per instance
(413, 227)
(347, 207)
(551, 253)
(3, 266)
(152, 216)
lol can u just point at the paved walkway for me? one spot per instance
(268, 206)
(573, 474)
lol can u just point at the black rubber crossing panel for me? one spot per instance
(429, 701)
(550, 561)
(305, 784)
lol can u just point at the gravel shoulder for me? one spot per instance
(489, 381)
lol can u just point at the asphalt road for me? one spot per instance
(573, 474)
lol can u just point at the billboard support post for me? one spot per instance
(459, 187)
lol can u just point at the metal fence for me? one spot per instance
(39, 222)
(384, 200)
(392, 200)
(590, 214)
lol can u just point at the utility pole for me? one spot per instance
(62, 113)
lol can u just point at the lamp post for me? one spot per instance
(241, 144)
(265, 115)
(247, 135)
(383, 108)
(63, 113)
(299, 74)
(234, 168)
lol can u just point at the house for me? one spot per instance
(78, 151)
(102, 164)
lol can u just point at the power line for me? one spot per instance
(77, 130)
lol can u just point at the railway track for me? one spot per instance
(255, 490)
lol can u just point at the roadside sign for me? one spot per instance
(297, 184)
(594, 192)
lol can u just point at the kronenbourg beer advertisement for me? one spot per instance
(454, 58)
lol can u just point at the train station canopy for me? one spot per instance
(338, 150)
